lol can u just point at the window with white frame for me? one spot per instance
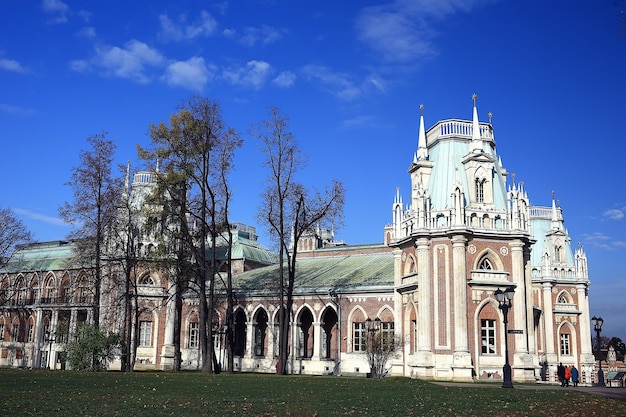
(387, 333)
(145, 333)
(1, 331)
(359, 342)
(565, 344)
(31, 332)
(488, 336)
(194, 335)
(486, 264)
(15, 332)
(480, 190)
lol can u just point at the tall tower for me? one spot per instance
(464, 235)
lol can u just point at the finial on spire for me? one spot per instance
(476, 142)
(422, 150)
(490, 116)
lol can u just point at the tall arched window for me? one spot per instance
(480, 190)
(558, 254)
(305, 335)
(260, 332)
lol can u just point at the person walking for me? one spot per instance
(568, 375)
(574, 372)
(560, 372)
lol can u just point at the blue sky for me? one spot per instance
(351, 77)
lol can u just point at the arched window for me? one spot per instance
(147, 280)
(30, 337)
(558, 254)
(194, 332)
(305, 334)
(565, 343)
(260, 332)
(15, 330)
(387, 326)
(20, 290)
(240, 333)
(485, 263)
(480, 190)
(329, 334)
(359, 332)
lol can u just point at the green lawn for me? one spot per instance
(67, 393)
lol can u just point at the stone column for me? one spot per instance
(424, 359)
(317, 341)
(462, 363)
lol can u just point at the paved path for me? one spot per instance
(608, 392)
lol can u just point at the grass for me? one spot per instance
(67, 393)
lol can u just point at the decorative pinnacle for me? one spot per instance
(422, 109)
(489, 115)
(474, 97)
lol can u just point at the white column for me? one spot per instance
(460, 295)
(317, 341)
(424, 295)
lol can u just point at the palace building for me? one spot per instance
(466, 232)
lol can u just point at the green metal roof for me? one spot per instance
(47, 256)
(248, 249)
(347, 271)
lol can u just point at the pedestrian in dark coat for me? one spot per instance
(560, 371)
(568, 375)
(574, 376)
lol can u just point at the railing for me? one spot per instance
(460, 128)
(537, 212)
(144, 178)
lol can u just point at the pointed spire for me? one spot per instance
(127, 181)
(422, 150)
(555, 216)
(476, 145)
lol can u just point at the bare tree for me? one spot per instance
(93, 209)
(13, 233)
(380, 347)
(289, 211)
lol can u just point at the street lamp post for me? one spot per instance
(50, 340)
(505, 299)
(597, 326)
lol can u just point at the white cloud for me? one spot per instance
(337, 83)
(13, 66)
(205, 25)
(88, 32)
(600, 240)
(130, 61)
(58, 9)
(15, 110)
(41, 217)
(192, 74)
(614, 214)
(252, 35)
(402, 31)
(358, 122)
(285, 79)
(254, 74)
